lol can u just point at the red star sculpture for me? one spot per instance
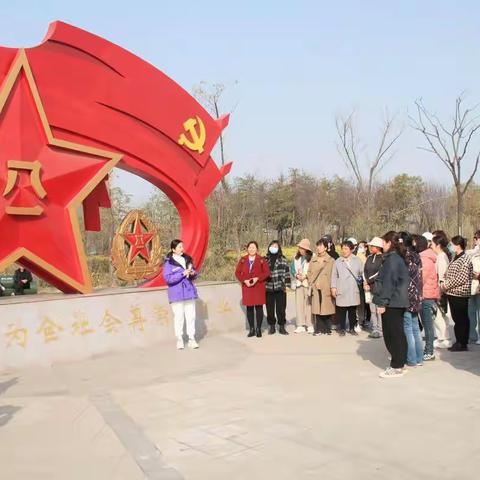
(138, 241)
(43, 181)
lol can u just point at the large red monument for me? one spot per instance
(71, 109)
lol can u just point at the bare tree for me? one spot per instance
(450, 144)
(209, 96)
(349, 148)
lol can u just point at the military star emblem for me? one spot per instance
(43, 181)
(138, 241)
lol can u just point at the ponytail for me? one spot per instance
(397, 242)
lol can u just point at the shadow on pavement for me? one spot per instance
(468, 361)
(374, 351)
(7, 411)
(201, 328)
(4, 386)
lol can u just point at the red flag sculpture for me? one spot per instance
(71, 109)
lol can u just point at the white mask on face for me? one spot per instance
(273, 250)
(361, 250)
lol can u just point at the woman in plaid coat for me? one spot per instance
(277, 285)
(458, 287)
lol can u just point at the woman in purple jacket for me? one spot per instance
(179, 274)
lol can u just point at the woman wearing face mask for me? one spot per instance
(319, 275)
(458, 287)
(347, 274)
(276, 286)
(252, 271)
(298, 271)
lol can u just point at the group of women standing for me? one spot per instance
(406, 281)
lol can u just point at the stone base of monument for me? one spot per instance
(43, 330)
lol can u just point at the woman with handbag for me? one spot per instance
(319, 275)
(298, 271)
(346, 281)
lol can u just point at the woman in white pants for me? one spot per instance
(179, 273)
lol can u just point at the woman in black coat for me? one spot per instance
(391, 297)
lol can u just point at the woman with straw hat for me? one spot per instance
(299, 271)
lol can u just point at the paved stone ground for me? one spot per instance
(297, 407)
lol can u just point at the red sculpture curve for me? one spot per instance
(98, 94)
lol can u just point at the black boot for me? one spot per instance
(271, 330)
(281, 330)
(259, 332)
(251, 332)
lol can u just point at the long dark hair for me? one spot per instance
(421, 243)
(396, 241)
(442, 241)
(173, 245)
(280, 252)
(459, 241)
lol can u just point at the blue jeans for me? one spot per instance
(474, 316)
(414, 339)
(429, 312)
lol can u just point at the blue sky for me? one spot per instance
(297, 66)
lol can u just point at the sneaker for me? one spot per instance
(341, 333)
(192, 343)
(442, 344)
(300, 330)
(377, 335)
(310, 330)
(427, 357)
(353, 332)
(477, 342)
(180, 344)
(392, 373)
(357, 328)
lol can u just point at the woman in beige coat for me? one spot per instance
(319, 276)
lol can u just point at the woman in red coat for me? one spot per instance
(252, 271)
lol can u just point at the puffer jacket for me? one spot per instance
(372, 267)
(180, 288)
(391, 284)
(429, 275)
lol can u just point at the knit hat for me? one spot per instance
(428, 236)
(376, 242)
(305, 244)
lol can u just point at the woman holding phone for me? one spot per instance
(179, 273)
(252, 271)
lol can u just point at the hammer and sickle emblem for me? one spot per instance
(197, 136)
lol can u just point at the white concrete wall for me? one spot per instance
(43, 330)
